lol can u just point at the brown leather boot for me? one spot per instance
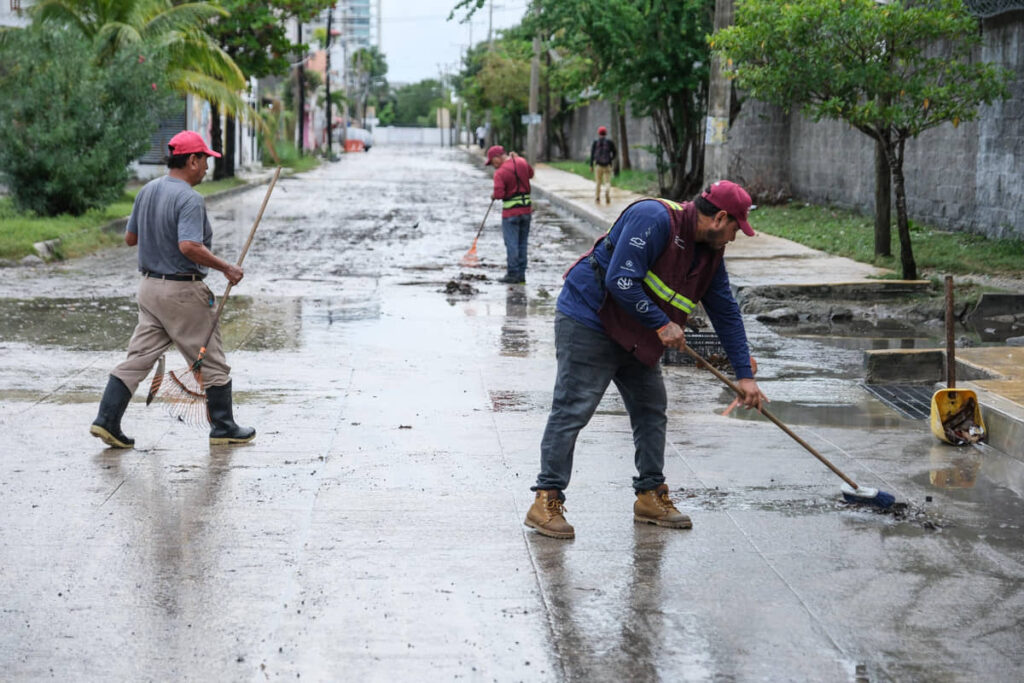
(655, 507)
(546, 515)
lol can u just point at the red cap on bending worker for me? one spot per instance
(190, 142)
(495, 151)
(733, 199)
(602, 130)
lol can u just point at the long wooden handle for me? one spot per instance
(241, 257)
(764, 411)
(486, 214)
(950, 346)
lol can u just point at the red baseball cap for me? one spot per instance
(190, 142)
(602, 130)
(495, 151)
(732, 199)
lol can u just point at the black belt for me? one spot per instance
(177, 278)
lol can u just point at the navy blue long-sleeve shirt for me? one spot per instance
(640, 236)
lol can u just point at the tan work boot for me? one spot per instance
(546, 515)
(655, 507)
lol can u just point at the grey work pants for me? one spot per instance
(588, 361)
(178, 313)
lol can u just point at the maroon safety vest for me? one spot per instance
(678, 280)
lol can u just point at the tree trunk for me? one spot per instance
(883, 202)
(614, 106)
(624, 140)
(216, 142)
(230, 142)
(902, 221)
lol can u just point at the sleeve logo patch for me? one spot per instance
(624, 282)
(642, 306)
(630, 266)
(636, 242)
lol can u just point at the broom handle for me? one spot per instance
(950, 345)
(764, 411)
(241, 257)
(486, 214)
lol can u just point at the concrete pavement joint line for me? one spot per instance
(526, 542)
(59, 387)
(111, 494)
(851, 458)
(803, 603)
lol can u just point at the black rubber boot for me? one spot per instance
(223, 429)
(107, 425)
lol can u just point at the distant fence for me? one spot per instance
(400, 135)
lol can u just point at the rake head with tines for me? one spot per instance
(182, 393)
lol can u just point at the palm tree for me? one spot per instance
(196, 64)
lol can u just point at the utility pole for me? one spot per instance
(489, 138)
(531, 130)
(301, 84)
(327, 84)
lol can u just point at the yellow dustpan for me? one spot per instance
(956, 413)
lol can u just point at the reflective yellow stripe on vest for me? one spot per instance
(666, 293)
(516, 200)
(671, 204)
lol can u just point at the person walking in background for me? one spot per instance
(623, 302)
(481, 136)
(512, 186)
(170, 226)
(602, 154)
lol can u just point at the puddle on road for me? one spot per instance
(503, 401)
(867, 415)
(106, 324)
(752, 498)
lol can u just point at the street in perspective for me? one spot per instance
(373, 530)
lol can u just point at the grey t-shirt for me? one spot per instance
(167, 211)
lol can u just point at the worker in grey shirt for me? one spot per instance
(170, 227)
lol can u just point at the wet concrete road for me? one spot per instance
(373, 531)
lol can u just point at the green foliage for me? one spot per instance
(647, 52)
(849, 234)
(414, 103)
(255, 33)
(73, 126)
(879, 67)
(176, 32)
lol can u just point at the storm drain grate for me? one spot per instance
(909, 400)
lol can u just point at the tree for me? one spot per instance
(71, 126)
(255, 35)
(652, 54)
(370, 83)
(177, 33)
(414, 103)
(890, 70)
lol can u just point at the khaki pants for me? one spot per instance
(178, 314)
(602, 176)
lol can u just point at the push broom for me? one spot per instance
(851, 491)
(182, 391)
(470, 260)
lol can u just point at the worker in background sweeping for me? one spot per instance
(169, 224)
(512, 187)
(602, 154)
(623, 303)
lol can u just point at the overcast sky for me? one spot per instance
(418, 41)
